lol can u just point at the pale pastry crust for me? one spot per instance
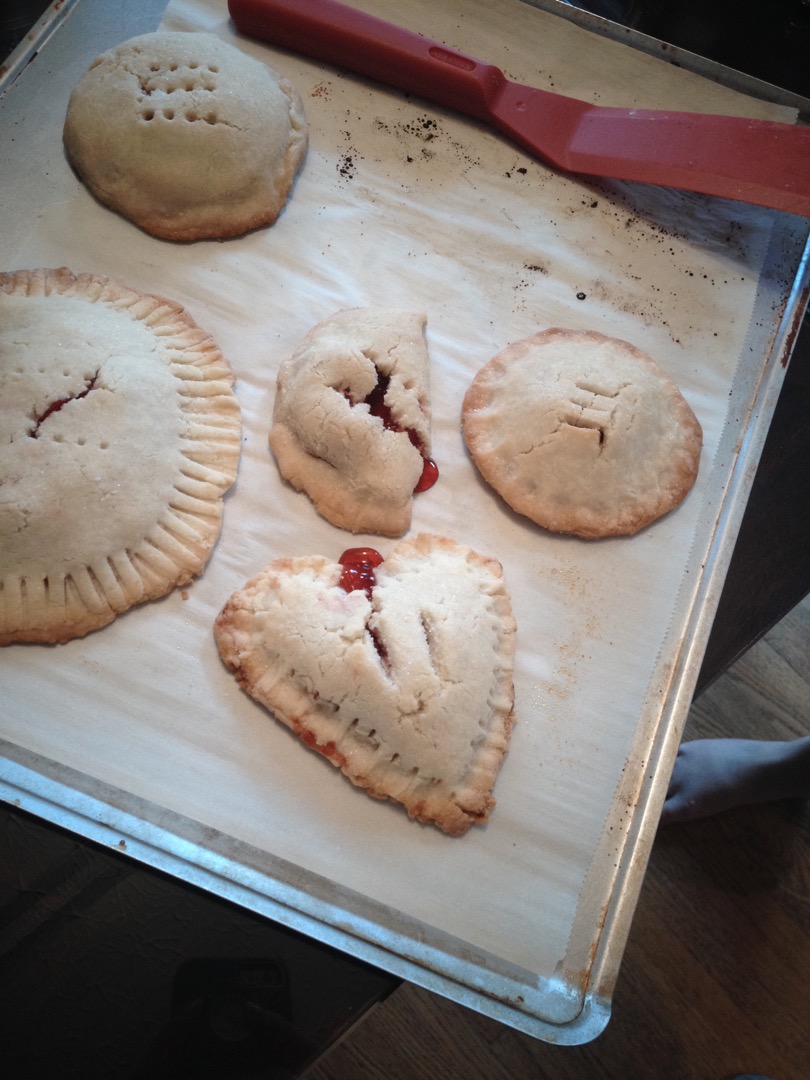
(410, 693)
(186, 136)
(359, 473)
(582, 433)
(120, 435)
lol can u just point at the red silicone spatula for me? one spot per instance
(756, 161)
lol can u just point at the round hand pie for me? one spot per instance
(399, 671)
(120, 434)
(582, 433)
(186, 135)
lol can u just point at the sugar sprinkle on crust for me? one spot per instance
(409, 692)
(359, 472)
(582, 433)
(121, 435)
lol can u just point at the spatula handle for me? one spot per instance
(343, 36)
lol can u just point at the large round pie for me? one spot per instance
(119, 435)
(186, 135)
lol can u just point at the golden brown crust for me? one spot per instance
(582, 433)
(122, 435)
(409, 693)
(186, 135)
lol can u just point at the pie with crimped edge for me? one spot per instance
(120, 435)
(582, 433)
(351, 420)
(401, 676)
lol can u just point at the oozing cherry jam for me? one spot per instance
(358, 569)
(377, 407)
(430, 474)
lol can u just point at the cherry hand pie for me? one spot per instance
(399, 671)
(186, 135)
(351, 422)
(582, 433)
(119, 436)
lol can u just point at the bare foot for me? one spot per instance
(713, 775)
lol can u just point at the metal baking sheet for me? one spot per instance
(136, 736)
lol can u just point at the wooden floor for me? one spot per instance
(715, 977)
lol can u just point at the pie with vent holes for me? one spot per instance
(351, 421)
(582, 433)
(186, 135)
(398, 670)
(119, 436)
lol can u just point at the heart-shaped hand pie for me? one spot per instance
(400, 675)
(351, 421)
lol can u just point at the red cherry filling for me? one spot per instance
(430, 474)
(376, 403)
(55, 406)
(377, 407)
(358, 569)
